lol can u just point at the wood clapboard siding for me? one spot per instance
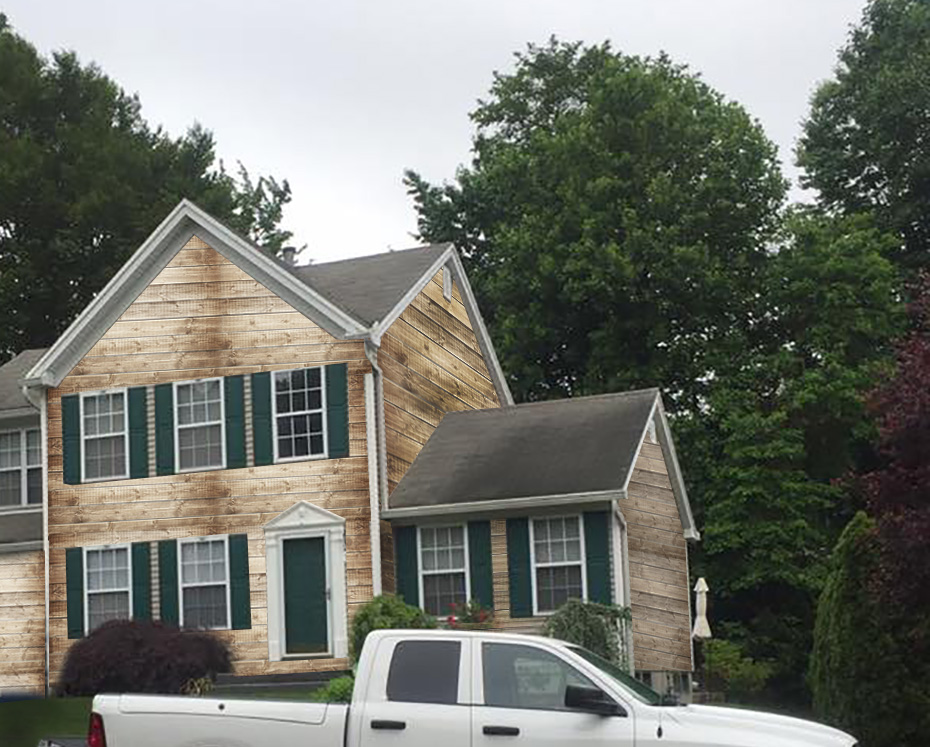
(658, 557)
(22, 622)
(203, 316)
(432, 365)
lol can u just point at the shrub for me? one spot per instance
(601, 628)
(135, 656)
(386, 612)
(337, 690)
(729, 671)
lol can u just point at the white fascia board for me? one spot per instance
(642, 440)
(510, 505)
(184, 222)
(450, 258)
(674, 474)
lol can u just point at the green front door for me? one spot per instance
(306, 627)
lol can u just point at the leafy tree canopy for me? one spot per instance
(866, 143)
(614, 219)
(84, 179)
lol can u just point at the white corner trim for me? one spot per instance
(532, 503)
(374, 494)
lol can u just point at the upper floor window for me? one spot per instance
(299, 421)
(199, 423)
(104, 436)
(204, 583)
(443, 568)
(557, 551)
(20, 467)
(107, 585)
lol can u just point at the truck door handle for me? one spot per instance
(501, 731)
(383, 724)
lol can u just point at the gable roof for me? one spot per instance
(13, 402)
(561, 449)
(369, 288)
(349, 306)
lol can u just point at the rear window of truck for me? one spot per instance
(425, 672)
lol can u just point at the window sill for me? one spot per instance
(21, 509)
(191, 470)
(103, 479)
(290, 460)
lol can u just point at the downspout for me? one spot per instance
(377, 456)
(40, 402)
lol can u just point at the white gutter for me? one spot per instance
(504, 504)
(377, 458)
(41, 404)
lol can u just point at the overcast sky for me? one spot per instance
(341, 97)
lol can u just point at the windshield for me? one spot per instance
(641, 692)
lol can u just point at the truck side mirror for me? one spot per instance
(592, 700)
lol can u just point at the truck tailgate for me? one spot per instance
(170, 721)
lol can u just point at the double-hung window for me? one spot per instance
(107, 585)
(20, 467)
(558, 562)
(443, 568)
(299, 422)
(204, 573)
(199, 421)
(104, 436)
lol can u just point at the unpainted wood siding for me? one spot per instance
(22, 622)
(658, 557)
(203, 316)
(432, 365)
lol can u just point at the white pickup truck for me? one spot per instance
(456, 689)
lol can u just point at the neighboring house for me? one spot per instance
(224, 432)
(22, 574)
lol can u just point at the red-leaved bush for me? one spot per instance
(129, 656)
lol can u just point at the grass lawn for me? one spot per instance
(24, 722)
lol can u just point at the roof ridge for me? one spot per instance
(553, 402)
(443, 245)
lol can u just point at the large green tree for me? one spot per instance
(866, 143)
(615, 220)
(84, 179)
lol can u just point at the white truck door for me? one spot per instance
(418, 695)
(520, 700)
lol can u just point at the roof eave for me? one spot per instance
(185, 221)
(675, 475)
(501, 505)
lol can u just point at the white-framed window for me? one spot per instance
(444, 576)
(104, 436)
(20, 467)
(557, 554)
(199, 423)
(299, 408)
(107, 585)
(203, 570)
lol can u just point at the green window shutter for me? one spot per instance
(74, 588)
(71, 438)
(239, 598)
(479, 561)
(138, 434)
(168, 581)
(233, 391)
(337, 410)
(164, 429)
(597, 555)
(407, 567)
(261, 418)
(141, 581)
(518, 566)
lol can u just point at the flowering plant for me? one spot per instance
(469, 614)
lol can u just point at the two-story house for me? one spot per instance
(234, 443)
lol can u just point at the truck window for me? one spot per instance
(425, 672)
(526, 677)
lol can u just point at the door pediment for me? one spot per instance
(304, 515)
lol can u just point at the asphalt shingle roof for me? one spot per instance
(569, 446)
(368, 288)
(11, 372)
